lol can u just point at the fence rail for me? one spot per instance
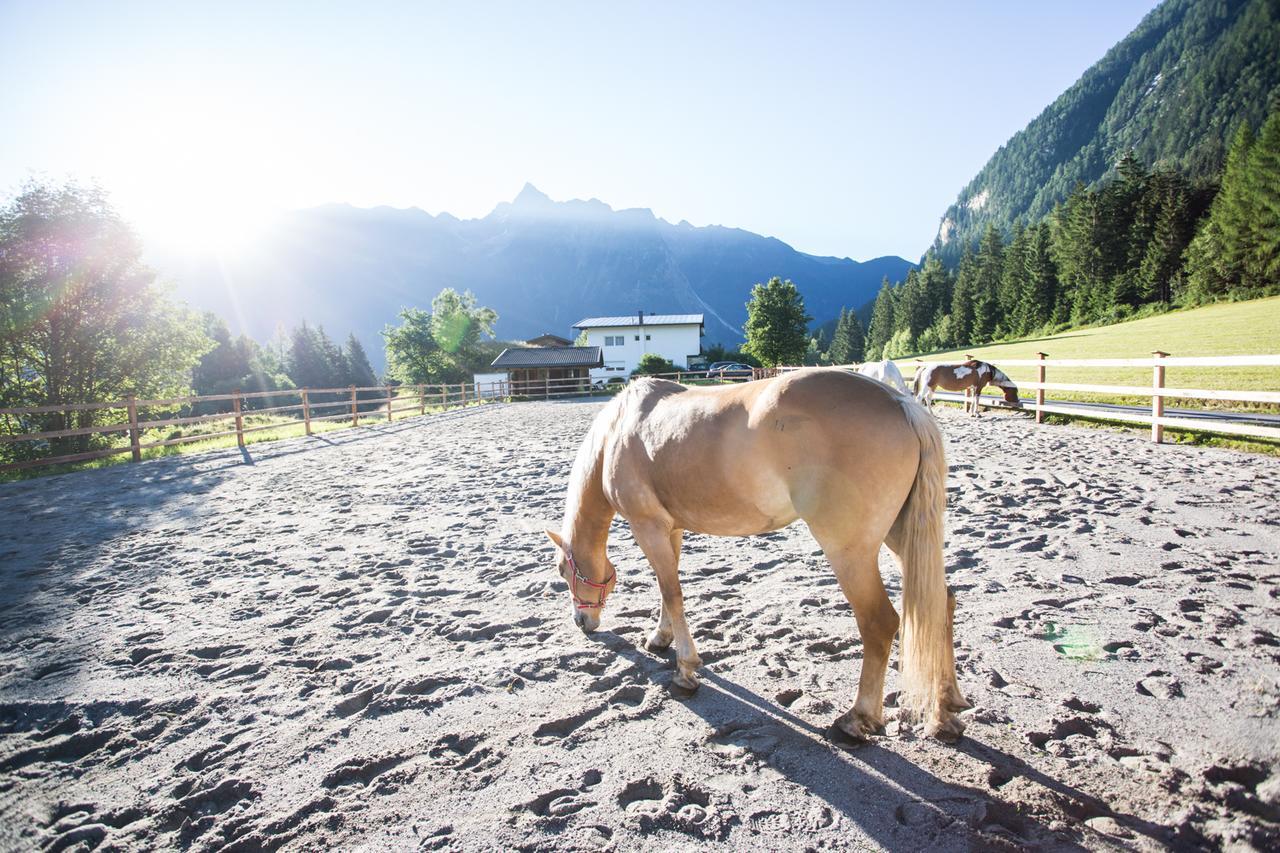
(378, 401)
(386, 401)
(1227, 423)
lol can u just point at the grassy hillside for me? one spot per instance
(1238, 328)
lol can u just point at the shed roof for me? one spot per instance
(549, 357)
(634, 320)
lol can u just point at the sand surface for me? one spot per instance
(359, 640)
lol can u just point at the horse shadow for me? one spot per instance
(891, 799)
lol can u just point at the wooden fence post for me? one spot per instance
(546, 386)
(1040, 390)
(134, 437)
(389, 406)
(1157, 401)
(463, 387)
(422, 399)
(235, 405)
(355, 413)
(444, 399)
(306, 411)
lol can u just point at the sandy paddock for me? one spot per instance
(358, 640)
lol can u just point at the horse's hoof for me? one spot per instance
(658, 642)
(946, 729)
(858, 725)
(685, 681)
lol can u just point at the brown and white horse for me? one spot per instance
(970, 377)
(861, 464)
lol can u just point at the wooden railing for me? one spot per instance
(353, 403)
(1227, 423)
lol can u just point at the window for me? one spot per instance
(615, 366)
(637, 337)
(613, 340)
(647, 338)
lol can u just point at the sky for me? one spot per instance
(841, 128)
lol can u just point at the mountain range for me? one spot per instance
(1173, 92)
(541, 264)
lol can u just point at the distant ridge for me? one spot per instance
(541, 264)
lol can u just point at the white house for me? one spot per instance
(623, 340)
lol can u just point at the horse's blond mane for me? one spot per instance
(586, 474)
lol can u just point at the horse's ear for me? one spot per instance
(557, 541)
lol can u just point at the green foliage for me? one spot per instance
(777, 326)
(1237, 252)
(882, 322)
(848, 340)
(237, 364)
(81, 318)
(1173, 92)
(651, 363)
(443, 345)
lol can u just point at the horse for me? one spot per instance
(886, 372)
(970, 377)
(859, 463)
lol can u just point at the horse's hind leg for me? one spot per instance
(857, 570)
(661, 546)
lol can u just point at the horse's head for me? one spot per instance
(1010, 390)
(591, 577)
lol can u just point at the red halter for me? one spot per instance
(576, 578)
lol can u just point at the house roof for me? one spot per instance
(549, 357)
(546, 339)
(634, 320)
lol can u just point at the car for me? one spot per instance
(729, 370)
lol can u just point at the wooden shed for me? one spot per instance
(548, 371)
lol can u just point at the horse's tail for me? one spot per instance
(927, 654)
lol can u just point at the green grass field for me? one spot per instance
(1237, 328)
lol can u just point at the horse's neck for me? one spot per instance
(587, 512)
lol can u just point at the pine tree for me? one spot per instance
(986, 285)
(1012, 273)
(360, 371)
(1216, 257)
(962, 299)
(1039, 283)
(882, 321)
(1262, 186)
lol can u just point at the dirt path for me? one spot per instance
(359, 639)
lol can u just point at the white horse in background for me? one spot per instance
(885, 372)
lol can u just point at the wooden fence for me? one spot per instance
(385, 401)
(353, 403)
(1228, 423)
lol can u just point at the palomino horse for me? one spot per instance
(861, 464)
(886, 372)
(970, 377)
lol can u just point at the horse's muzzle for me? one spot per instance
(588, 622)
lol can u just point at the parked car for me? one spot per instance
(729, 370)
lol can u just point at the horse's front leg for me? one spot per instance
(661, 545)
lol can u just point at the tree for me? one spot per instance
(1216, 257)
(848, 339)
(359, 370)
(651, 363)
(81, 317)
(777, 326)
(989, 269)
(413, 356)
(882, 322)
(443, 345)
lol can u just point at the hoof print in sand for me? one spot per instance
(676, 805)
